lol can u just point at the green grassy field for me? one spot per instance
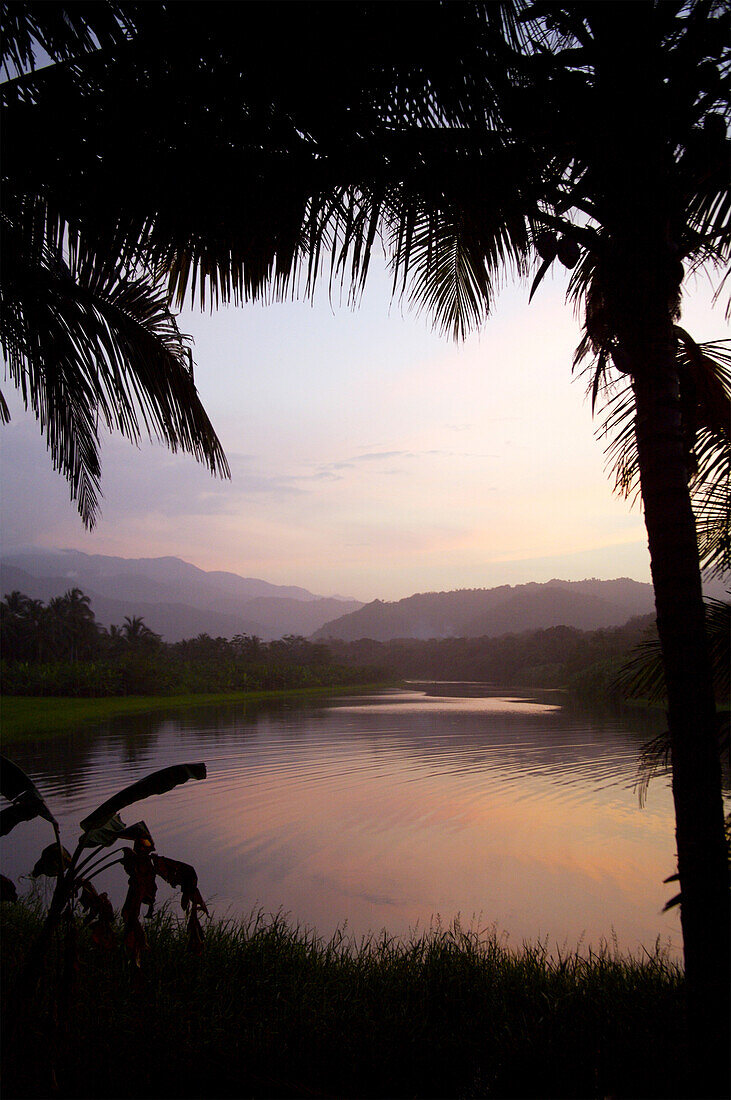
(270, 1011)
(25, 718)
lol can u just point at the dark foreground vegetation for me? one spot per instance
(268, 1010)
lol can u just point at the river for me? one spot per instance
(514, 811)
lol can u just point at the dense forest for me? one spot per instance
(59, 649)
(584, 660)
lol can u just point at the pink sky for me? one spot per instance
(371, 457)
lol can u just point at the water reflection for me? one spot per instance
(385, 810)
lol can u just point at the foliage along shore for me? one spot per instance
(60, 650)
(269, 1010)
(39, 717)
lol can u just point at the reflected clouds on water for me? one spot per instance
(514, 809)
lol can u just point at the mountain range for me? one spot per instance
(178, 600)
(478, 612)
(175, 598)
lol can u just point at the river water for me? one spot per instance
(514, 811)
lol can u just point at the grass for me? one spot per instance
(26, 718)
(269, 1010)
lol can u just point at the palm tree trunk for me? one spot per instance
(641, 221)
(697, 792)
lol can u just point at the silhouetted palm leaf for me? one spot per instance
(85, 343)
(642, 676)
(705, 378)
(63, 31)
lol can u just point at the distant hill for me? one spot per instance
(175, 598)
(585, 605)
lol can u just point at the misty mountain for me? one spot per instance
(175, 598)
(585, 605)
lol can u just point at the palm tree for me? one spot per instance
(70, 623)
(13, 625)
(86, 339)
(26, 628)
(137, 633)
(468, 139)
(80, 622)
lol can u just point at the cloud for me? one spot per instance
(353, 461)
(380, 455)
(319, 475)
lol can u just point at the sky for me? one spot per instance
(371, 457)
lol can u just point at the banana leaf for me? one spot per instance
(159, 782)
(103, 836)
(27, 801)
(47, 862)
(180, 874)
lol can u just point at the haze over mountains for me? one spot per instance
(178, 600)
(473, 613)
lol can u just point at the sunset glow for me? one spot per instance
(370, 456)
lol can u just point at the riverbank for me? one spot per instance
(25, 718)
(270, 1011)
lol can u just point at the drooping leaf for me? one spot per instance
(103, 836)
(180, 874)
(25, 808)
(28, 802)
(159, 782)
(100, 914)
(87, 344)
(176, 873)
(7, 889)
(705, 389)
(13, 780)
(48, 862)
(642, 675)
(142, 889)
(195, 932)
(141, 870)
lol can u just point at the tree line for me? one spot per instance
(587, 661)
(58, 648)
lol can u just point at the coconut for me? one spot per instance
(545, 245)
(621, 361)
(568, 251)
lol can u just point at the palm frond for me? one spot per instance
(449, 274)
(62, 31)
(705, 377)
(88, 343)
(642, 676)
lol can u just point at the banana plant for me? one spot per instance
(96, 851)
